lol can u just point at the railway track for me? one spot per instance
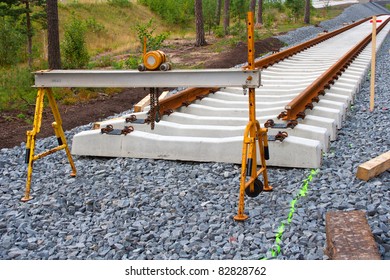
(146, 209)
(302, 100)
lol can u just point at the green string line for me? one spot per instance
(303, 191)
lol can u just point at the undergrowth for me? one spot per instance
(112, 30)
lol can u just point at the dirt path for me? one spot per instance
(13, 129)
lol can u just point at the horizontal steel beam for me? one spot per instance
(129, 78)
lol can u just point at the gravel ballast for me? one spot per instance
(124, 208)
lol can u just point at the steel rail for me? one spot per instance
(189, 95)
(295, 109)
(204, 78)
(183, 98)
(279, 56)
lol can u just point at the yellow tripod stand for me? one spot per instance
(31, 137)
(253, 136)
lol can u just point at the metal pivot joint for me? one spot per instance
(31, 137)
(255, 138)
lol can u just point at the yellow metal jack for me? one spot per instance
(254, 135)
(31, 137)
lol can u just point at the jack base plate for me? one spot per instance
(25, 199)
(240, 218)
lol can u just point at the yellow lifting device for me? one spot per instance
(253, 135)
(31, 137)
(153, 60)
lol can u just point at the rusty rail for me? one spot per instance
(189, 95)
(295, 109)
(183, 98)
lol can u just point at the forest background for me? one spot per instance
(96, 34)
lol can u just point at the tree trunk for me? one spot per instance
(218, 12)
(53, 38)
(259, 19)
(307, 12)
(226, 17)
(252, 6)
(200, 38)
(29, 33)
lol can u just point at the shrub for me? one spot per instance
(209, 8)
(92, 25)
(10, 43)
(15, 88)
(154, 42)
(296, 7)
(239, 30)
(173, 11)
(84, 94)
(269, 19)
(74, 50)
(219, 32)
(275, 4)
(132, 62)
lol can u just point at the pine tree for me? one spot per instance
(252, 6)
(259, 18)
(226, 17)
(200, 37)
(53, 38)
(218, 12)
(307, 12)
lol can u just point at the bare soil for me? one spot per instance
(181, 52)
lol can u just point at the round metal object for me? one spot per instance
(131, 119)
(281, 135)
(269, 123)
(258, 188)
(127, 129)
(165, 66)
(107, 129)
(154, 59)
(141, 67)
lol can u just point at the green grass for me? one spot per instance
(116, 31)
(15, 88)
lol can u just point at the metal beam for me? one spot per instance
(129, 78)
